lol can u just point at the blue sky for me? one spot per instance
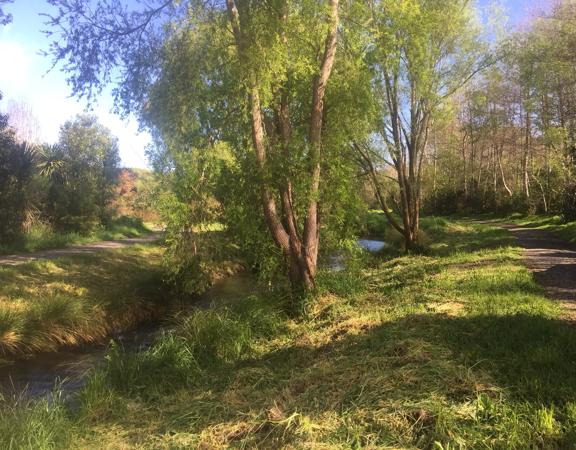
(23, 75)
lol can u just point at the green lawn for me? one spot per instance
(68, 301)
(456, 349)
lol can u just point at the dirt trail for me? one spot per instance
(22, 258)
(553, 262)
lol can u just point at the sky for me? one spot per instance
(24, 77)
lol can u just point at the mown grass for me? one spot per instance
(454, 349)
(46, 304)
(43, 237)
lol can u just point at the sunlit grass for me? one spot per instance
(566, 230)
(456, 348)
(68, 301)
(42, 236)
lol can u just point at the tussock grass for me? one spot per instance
(80, 299)
(455, 349)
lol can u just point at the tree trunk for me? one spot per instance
(508, 190)
(301, 254)
(525, 158)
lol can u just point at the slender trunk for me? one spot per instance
(542, 192)
(508, 190)
(526, 158)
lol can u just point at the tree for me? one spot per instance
(5, 18)
(83, 173)
(517, 125)
(424, 51)
(24, 122)
(16, 169)
(269, 96)
(298, 244)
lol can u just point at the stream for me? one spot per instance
(66, 369)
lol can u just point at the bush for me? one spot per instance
(569, 203)
(375, 224)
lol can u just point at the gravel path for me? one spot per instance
(22, 258)
(553, 262)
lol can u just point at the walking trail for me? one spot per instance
(22, 258)
(553, 262)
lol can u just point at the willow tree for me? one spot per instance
(254, 43)
(250, 75)
(424, 51)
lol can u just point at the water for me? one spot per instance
(372, 245)
(67, 368)
(337, 262)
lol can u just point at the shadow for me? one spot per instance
(559, 281)
(400, 384)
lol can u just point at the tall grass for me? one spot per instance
(69, 301)
(201, 343)
(27, 424)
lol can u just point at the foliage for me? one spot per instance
(16, 169)
(5, 18)
(508, 146)
(569, 203)
(134, 195)
(195, 93)
(82, 183)
(422, 53)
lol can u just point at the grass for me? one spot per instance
(46, 304)
(455, 349)
(43, 237)
(555, 224)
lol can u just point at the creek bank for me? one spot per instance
(66, 368)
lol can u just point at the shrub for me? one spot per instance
(569, 203)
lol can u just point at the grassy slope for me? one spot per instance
(454, 350)
(67, 301)
(43, 237)
(566, 230)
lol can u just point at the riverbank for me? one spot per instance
(74, 300)
(459, 348)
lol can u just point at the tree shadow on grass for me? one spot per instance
(406, 383)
